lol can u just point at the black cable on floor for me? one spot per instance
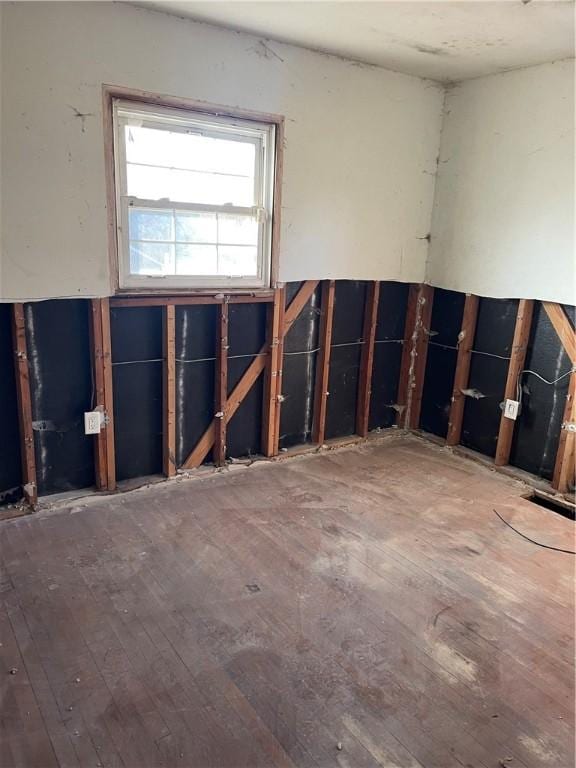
(538, 543)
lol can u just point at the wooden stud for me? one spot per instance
(465, 342)
(563, 328)
(407, 354)
(221, 386)
(420, 353)
(515, 366)
(100, 454)
(298, 303)
(367, 359)
(564, 467)
(273, 380)
(105, 455)
(169, 390)
(266, 297)
(323, 364)
(22, 370)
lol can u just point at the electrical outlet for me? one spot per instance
(92, 422)
(511, 409)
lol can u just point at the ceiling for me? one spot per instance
(442, 40)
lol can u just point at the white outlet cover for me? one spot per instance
(92, 422)
(511, 409)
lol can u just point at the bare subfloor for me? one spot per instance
(358, 608)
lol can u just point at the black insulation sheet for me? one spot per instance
(388, 346)
(137, 365)
(488, 373)
(537, 429)
(246, 337)
(345, 354)
(445, 325)
(299, 371)
(10, 467)
(61, 385)
(195, 370)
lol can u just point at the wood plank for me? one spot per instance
(183, 663)
(563, 328)
(191, 300)
(323, 362)
(97, 355)
(169, 390)
(564, 467)
(108, 394)
(367, 358)
(221, 385)
(273, 374)
(416, 388)
(515, 366)
(462, 373)
(407, 356)
(22, 370)
(298, 303)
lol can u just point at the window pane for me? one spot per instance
(191, 151)
(151, 225)
(237, 230)
(196, 227)
(237, 260)
(151, 258)
(153, 183)
(196, 260)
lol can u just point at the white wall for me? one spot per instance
(503, 223)
(359, 159)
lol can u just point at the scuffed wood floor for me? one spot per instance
(358, 608)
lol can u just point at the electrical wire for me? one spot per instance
(538, 376)
(532, 541)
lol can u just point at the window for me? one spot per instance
(194, 198)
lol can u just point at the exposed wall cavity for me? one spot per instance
(10, 468)
(345, 353)
(246, 336)
(388, 348)
(62, 388)
(299, 371)
(137, 362)
(445, 325)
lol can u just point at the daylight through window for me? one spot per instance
(194, 198)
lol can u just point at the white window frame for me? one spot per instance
(263, 135)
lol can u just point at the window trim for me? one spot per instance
(179, 285)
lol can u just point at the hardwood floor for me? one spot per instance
(364, 607)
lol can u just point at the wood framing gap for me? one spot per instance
(323, 364)
(221, 385)
(22, 370)
(516, 364)
(367, 358)
(462, 373)
(105, 455)
(169, 390)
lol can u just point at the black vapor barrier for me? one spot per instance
(299, 371)
(345, 354)
(137, 365)
(246, 337)
(542, 389)
(445, 326)
(195, 369)
(10, 467)
(388, 346)
(62, 388)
